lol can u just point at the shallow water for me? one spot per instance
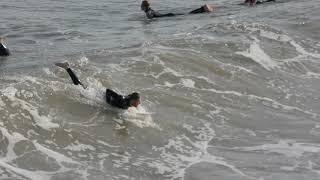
(228, 95)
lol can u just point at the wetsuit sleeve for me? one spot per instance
(197, 11)
(73, 76)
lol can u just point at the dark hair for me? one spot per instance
(134, 96)
(144, 3)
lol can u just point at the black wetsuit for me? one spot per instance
(3, 50)
(74, 77)
(112, 98)
(261, 2)
(199, 10)
(150, 13)
(117, 100)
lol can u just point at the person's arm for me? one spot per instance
(203, 9)
(197, 11)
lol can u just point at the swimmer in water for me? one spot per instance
(150, 13)
(112, 98)
(254, 2)
(4, 51)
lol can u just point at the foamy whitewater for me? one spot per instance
(231, 95)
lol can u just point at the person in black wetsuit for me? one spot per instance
(112, 98)
(253, 2)
(4, 51)
(150, 13)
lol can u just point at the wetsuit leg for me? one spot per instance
(73, 76)
(197, 11)
(157, 15)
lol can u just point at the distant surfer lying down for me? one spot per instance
(253, 2)
(150, 13)
(112, 98)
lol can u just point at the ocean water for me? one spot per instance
(231, 95)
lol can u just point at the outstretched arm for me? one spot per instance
(73, 76)
(203, 9)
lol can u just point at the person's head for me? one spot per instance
(145, 5)
(134, 99)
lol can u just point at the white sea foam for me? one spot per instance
(267, 101)
(14, 138)
(25, 173)
(181, 153)
(188, 83)
(274, 36)
(40, 120)
(140, 117)
(285, 38)
(94, 95)
(256, 53)
(48, 72)
(80, 147)
(311, 75)
(167, 84)
(57, 156)
(288, 148)
(83, 61)
(106, 144)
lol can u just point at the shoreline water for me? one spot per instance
(228, 95)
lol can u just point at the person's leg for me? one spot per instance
(73, 76)
(168, 15)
